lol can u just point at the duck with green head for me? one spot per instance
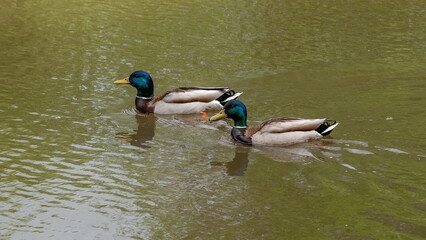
(277, 131)
(184, 100)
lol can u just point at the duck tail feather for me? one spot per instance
(227, 96)
(327, 127)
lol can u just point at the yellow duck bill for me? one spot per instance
(218, 116)
(126, 80)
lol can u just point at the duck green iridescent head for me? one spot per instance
(234, 109)
(142, 81)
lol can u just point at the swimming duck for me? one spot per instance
(278, 131)
(184, 100)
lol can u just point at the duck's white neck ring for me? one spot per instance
(144, 97)
(240, 127)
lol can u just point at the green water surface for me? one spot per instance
(77, 162)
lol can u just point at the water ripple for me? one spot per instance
(77, 163)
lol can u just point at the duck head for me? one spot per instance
(234, 109)
(142, 81)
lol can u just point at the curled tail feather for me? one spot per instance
(227, 96)
(327, 127)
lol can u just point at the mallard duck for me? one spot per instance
(278, 131)
(184, 100)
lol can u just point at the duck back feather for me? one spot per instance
(281, 125)
(193, 94)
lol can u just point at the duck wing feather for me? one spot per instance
(193, 94)
(281, 125)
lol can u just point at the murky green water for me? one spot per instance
(76, 162)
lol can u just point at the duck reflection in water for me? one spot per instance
(239, 163)
(144, 133)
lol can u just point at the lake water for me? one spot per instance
(77, 162)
